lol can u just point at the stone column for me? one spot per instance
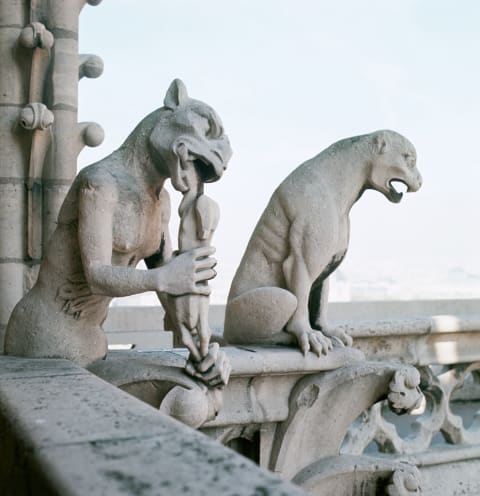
(40, 138)
(62, 97)
(14, 146)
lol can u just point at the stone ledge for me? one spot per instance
(442, 340)
(261, 380)
(68, 432)
(437, 324)
(246, 360)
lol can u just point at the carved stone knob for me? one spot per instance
(36, 116)
(90, 66)
(93, 134)
(36, 35)
(189, 406)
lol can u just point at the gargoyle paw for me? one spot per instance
(338, 335)
(213, 370)
(312, 340)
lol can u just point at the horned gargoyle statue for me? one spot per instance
(279, 293)
(115, 214)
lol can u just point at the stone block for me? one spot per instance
(14, 143)
(12, 220)
(12, 284)
(13, 89)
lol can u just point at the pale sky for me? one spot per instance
(288, 78)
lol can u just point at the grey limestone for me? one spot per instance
(68, 432)
(38, 90)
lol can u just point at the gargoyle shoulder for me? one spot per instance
(94, 181)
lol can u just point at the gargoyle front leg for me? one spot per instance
(298, 282)
(318, 305)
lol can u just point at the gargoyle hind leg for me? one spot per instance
(317, 306)
(298, 279)
(258, 316)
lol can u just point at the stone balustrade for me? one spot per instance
(324, 422)
(440, 438)
(285, 411)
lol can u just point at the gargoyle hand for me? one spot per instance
(187, 272)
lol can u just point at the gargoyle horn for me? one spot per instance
(176, 95)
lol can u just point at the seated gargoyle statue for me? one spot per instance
(279, 294)
(115, 214)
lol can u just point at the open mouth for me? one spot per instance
(205, 170)
(394, 193)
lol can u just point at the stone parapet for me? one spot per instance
(68, 432)
(282, 409)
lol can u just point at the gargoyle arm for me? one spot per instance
(164, 252)
(95, 238)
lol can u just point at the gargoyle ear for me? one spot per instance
(379, 142)
(176, 95)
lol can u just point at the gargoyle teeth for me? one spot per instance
(395, 195)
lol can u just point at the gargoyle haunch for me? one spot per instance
(279, 293)
(116, 214)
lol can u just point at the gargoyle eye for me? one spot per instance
(409, 159)
(214, 129)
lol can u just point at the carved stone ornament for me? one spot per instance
(437, 416)
(405, 481)
(279, 293)
(405, 394)
(116, 213)
(36, 116)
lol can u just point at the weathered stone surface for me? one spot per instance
(359, 476)
(449, 471)
(68, 432)
(261, 382)
(299, 407)
(12, 280)
(16, 368)
(139, 466)
(442, 339)
(302, 236)
(116, 214)
(245, 361)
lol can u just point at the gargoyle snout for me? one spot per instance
(223, 151)
(416, 184)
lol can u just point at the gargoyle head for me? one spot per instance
(189, 133)
(393, 160)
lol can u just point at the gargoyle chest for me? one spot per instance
(137, 229)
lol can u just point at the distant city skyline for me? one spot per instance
(288, 79)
